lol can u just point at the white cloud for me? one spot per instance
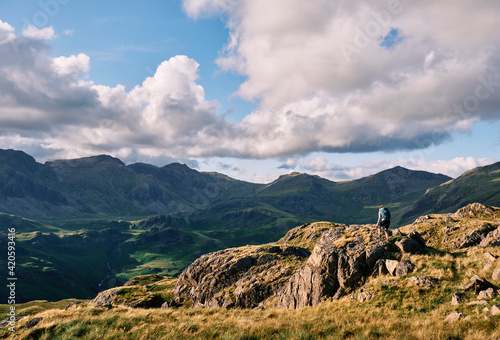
(441, 77)
(314, 97)
(6, 32)
(73, 65)
(46, 33)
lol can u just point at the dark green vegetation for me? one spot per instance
(88, 224)
(477, 185)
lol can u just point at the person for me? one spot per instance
(384, 221)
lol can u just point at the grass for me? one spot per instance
(391, 315)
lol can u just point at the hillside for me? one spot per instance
(104, 186)
(477, 185)
(437, 278)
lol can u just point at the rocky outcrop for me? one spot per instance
(131, 296)
(475, 210)
(340, 260)
(337, 263)
(239, 277)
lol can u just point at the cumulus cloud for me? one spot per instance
(44, 102)
(46, 33)
(327, 81)
(333, 76)
(73, 65)
(6, 32)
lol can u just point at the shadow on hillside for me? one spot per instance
(439, 252)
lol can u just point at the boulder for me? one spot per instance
(332, 268)
(453, 317)
(477, 284)
(380, 268)
(486, 294)
(424, 281)
(473, 238)
(415, 235)
(492, 239)
(131, 296)
(33, 322)
(458, 298)
(496, 274)
(391, 266)
(364, 296)
(490, 256)
(396, 233)
(404, 267)
(495, 310)
(409, 245)
(474, 210)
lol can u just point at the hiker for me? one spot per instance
(384, 220)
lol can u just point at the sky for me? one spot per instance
(254, 88)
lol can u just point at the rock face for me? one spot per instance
(338, 260)
(239, 277)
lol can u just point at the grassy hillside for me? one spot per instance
(477, 185)
(399, 308)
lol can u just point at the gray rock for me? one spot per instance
(404, 267)
(487, 266)
(254, 273)
(424, 281)
(496, 274)
(490, 256)
(474, 238)
(492, 239)
(391, 266)
(364, 296)
(246, 277)
(474, 210)
(307, 287)
(477, 284)
(33, 322)
(453, 317)
(170, 304)
(495, 310)
(380, 268)
(396, 233)
(71, 304)
(477, 303)
(458, 298)
(409, 245)
(415, 235)
(486, 294)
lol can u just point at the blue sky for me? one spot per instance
(254, 89)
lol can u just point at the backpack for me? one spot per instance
(386, 214)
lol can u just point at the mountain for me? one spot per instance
(481, 184)
(104, 186)
(353, 201)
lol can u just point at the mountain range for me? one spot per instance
(92, 223)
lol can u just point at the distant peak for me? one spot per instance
(89, 160)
